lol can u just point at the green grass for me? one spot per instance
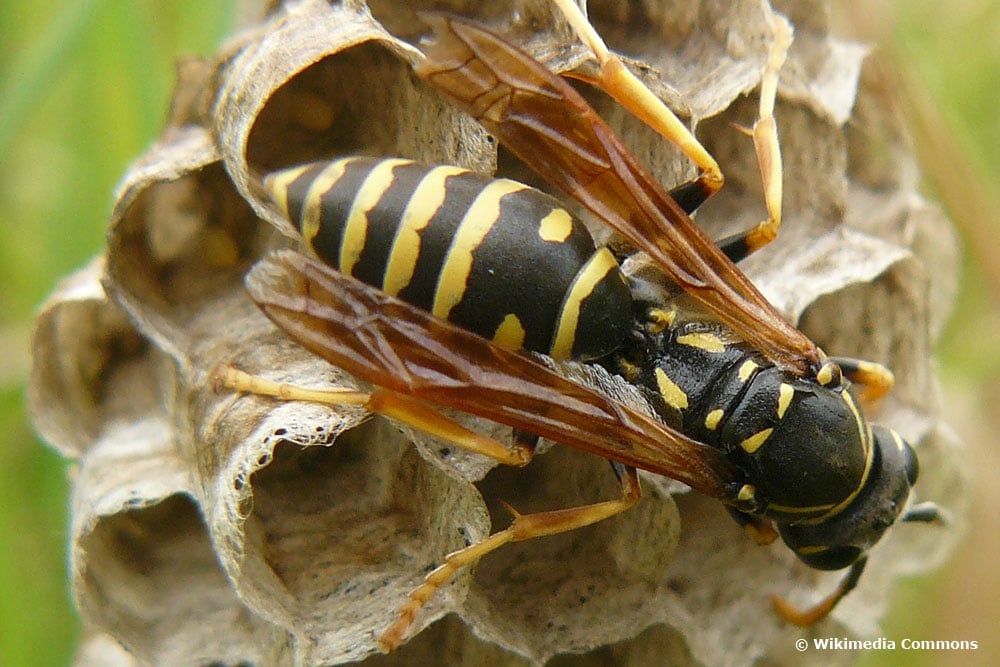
(84, 86)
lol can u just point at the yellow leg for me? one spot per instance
(618, 82)
(396, 406)
(524, 527)
(765, 137)
(876, 380)
(806, 617)
(765, 141)
(760, 530)
(616, 79)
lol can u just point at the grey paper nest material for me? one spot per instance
(215, 528)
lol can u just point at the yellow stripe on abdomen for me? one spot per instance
(475, 225)
(312, 209)
(427, 198)
(600, 264)
(368, 196)
(277, 185)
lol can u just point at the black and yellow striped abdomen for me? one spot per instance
(492, 255)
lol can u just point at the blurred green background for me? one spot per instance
(945, 59)
(84, 88)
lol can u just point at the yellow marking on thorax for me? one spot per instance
(277, 185)
(713, 418)
(785, 394)
(827, 374)
(425, 201)
(747, 369)
(475, 225)
(510, 334)
(754, 442)
(600, 264)
(368, 196)
(312, 207)
(671, 393)
(703, 340)
(556, 226)
(659, 320)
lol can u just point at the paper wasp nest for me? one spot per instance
(215, 528)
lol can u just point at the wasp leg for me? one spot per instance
(765, 140)
(691, 195)
(806, 617)
(618, 82)
(524, 527)
(758, 528)
(743, 244)
(876, 379)
(524, 440)
(391, 404)
(765, 137)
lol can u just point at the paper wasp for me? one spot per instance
(441, 287)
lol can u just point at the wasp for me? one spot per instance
(443, 288)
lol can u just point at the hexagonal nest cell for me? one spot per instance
(211, 527)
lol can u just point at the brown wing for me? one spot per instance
(543, 121)
(394, 345)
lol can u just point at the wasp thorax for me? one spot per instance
(843, 537)
(805, 447)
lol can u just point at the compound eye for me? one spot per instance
(834, 558)
(910, 462)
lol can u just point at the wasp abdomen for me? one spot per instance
(494, 256)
